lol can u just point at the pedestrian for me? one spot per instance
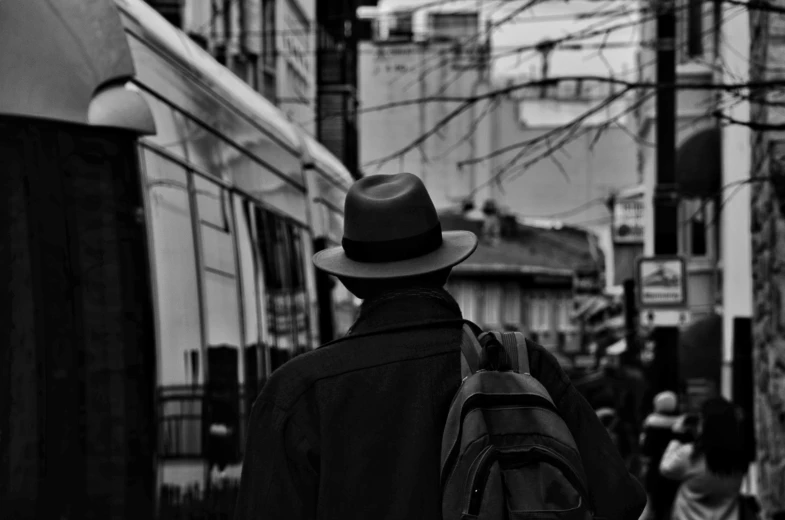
(354, 428)
(657, 435)
(710, 466)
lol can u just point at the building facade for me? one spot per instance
(522, 278)
(410, 58)
(415, 73)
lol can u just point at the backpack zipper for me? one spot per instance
(482, 468)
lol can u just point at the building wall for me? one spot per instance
(735, 225)
(295, 27)
(270, 44)
(399, 76)
(542, 312)
(573, 184)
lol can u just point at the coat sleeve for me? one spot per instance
(279, 478)
(615, 493)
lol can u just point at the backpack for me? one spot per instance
(506, 452)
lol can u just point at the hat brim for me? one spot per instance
(456, 247)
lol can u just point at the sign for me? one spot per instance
(664, 318)
(628, 220)
(587, 282)
(662, 282)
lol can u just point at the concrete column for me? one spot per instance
(736, 163)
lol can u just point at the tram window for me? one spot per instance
(203, 147)
(248, 272)
(212, 203)
(174, 259)
(220, 277)
(302, 302)
(177, 297)
(282, 257)
(171, 130)
(309, 273)
(254, 355)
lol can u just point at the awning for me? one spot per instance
(698, 164)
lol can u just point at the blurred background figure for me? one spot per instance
(617, 429)
(708, 460)
(655, 438)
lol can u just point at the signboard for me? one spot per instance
(664, 318)
(587, 282)
(628, 220)
(662, 282)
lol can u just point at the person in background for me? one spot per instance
(710, 465)
(657, 434)
(617, 430)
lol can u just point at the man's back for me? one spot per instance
(366, 417)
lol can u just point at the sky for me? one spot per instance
(613, 53)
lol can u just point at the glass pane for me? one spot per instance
(212, 207)
(493, 298)
(248, 271)
(171, 131)
(218, 250)
(222, 310)
(174, 264)
(310, 283)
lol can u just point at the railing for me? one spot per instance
(193, 503)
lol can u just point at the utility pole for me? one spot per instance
(666, 221)
(632, 354)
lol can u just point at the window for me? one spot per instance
(170, 126)
(539, 313)
(492, 305)
(221, 301)
(467, 299)
(401, 27)
(694, 28)
(564, 322)
(174, 262)
(696, 228)
(250, 292)
(512, 304)
(178, 312)
(284, 274)
(454, 26)
(269, 50)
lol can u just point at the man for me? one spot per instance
(354, 428)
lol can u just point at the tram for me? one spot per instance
(158, 220)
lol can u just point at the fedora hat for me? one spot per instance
(391, 230)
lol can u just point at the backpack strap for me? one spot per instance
(470, 352)
(515, 345)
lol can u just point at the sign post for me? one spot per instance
(662, 300)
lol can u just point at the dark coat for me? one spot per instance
(657, 434)
(354, 428)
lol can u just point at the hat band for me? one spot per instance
(394, 250)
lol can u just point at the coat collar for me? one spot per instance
(405, 306)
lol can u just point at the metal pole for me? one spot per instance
(666, 217)
(632, 354)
